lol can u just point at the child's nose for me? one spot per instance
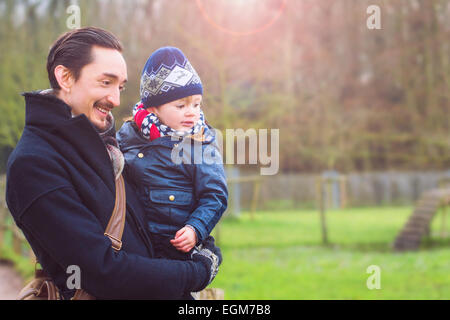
(190, 111)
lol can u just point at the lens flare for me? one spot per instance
(260, 28)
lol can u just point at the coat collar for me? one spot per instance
(53, 117)
(129, 138)
(45, 109)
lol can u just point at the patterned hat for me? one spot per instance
(168, 76)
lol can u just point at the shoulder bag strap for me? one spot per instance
(113, 231)
(116, 224)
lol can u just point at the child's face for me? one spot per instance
(180, 115)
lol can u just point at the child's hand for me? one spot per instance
(185, 239)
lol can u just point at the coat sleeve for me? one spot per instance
(211, 193)
(72, 235)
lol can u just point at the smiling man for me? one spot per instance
(61, 181)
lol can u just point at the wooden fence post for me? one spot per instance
(443, 227)
(217, 234)
(343, 191)
(322, 200)
(255, 199)
(210, 294)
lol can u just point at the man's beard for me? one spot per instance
(109, 120)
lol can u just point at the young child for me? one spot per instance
(183, 201)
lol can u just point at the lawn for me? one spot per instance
(280, 256)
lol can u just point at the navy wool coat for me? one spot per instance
(61, 191)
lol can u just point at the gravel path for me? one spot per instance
(10, 282)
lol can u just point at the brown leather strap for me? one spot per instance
(52, 291)
(80, 294)
(113, 231)
(40, 288)
(116, 224)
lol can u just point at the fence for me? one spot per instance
(283, 191)
(290, 191)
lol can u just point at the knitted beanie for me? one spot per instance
(168, 76)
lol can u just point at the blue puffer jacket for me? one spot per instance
(176, 194)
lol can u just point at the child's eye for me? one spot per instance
(180, 106)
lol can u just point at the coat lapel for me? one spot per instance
(79, 132)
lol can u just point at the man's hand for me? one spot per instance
(210, 255)
(185, 239)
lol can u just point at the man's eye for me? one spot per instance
(122, 88)
(106, 82)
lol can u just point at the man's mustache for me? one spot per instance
(104, 105)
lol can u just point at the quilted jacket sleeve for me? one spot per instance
(210, 192)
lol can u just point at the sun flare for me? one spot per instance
(241, 17)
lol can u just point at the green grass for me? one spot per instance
(365, 227)
(280, 256)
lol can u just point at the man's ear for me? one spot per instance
(64, 77)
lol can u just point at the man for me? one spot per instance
(61, 181)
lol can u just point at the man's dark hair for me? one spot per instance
(73, 50)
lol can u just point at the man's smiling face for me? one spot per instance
(97, 90)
